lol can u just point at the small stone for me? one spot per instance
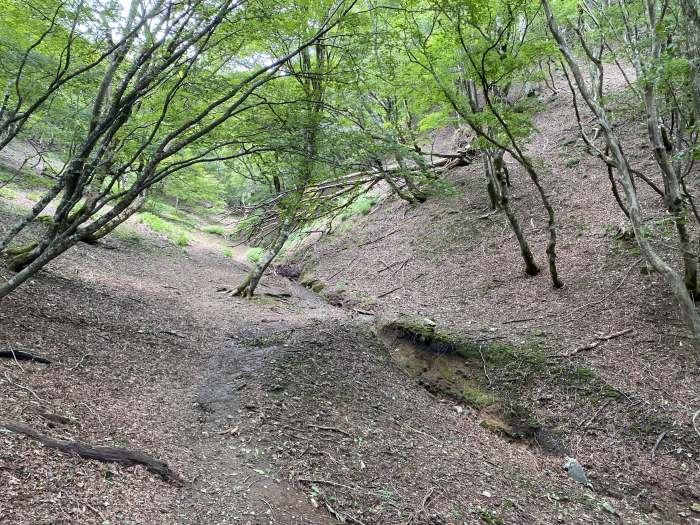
(695, 507)
(459, 409)
(486, 494)
(575, 471)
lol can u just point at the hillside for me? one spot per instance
(412, 262)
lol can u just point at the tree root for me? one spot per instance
(23, 356)
(122, 456)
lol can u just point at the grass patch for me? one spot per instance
(360, 206)
(7, 193)
(253, 255)
(214, 229)
(126, 234)
(174, 233)
(227, 252)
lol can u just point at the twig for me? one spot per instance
(272, 517)
(598, 340)
(597, 413)
(15, 358)
(333, 429)
(421, 509)
(25, 388)
(80, 362)
(326, 482)
(389, 292)
(656, 445)
(377, 239)
(484, 362)
(695, 416)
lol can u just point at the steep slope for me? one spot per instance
(626, 414)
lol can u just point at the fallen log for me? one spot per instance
(23, 356)
(122, 456)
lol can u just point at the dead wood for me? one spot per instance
(656, 445)
(590, 346)
(122, 456)
(23, 356)
(377, 239)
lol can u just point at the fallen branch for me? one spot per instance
(23, 356)
(106, 454)
(656, 445)
(389, 292)
(331, 429)
(590, 346)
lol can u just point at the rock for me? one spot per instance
(459, 409)
(695, 507)
(575, 471)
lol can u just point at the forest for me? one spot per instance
(345, 261)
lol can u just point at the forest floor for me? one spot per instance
(286, 409)
(277, 410)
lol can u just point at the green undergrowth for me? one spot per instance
(253, 255)
(170, 213)
(215, 229)
(173, 232)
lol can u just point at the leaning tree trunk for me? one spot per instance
(31, 216)
(248, 286)
(117, 221)
(494, 171)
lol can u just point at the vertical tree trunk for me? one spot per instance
(494, 167)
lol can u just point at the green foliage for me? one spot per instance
(215, 229)
(227, 252)
(175, 234)
(253, 255)
(362, 205)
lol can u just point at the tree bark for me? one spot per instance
(248, 286)
(494, 169)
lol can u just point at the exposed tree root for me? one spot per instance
(23, 356)
(122, 456)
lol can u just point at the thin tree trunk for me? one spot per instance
(494, 167)
(248, 286)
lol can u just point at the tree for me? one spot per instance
(139, 133)
(648, 67)
(476, 53)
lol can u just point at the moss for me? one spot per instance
(317, 286)
(7, 193)
(570, 163)
(476, 396)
